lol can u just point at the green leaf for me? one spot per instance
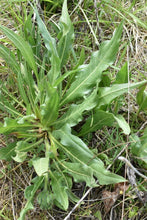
(21, 45)
(74, 113)
(26, 118)
(142, 98)
(50, 44)
(143, 152)
(101, 118)
(29, 204)
(24, 146)
(78, 152)
(45, 199)
(28, 79)
(122, 75)
(9, 57)
(90, 75)
(20, 156)
(67, 35)
(31, 33)
(107, 94)
(11, 125)
(81, 59)
(41, 165)
(49, 41)
(139, 146)
(97, 121)
(72, 196)
(136, 19)
(6, 153)
(55, 68)
(49, 110)
(104, 176)
(31, 90)
(28, 191)
(59, 190)
(64, 76)
(144, 137)
(74, 147)
(21, 151)
(80, 173)
(5, 105)
(22, 89)
(122, 124)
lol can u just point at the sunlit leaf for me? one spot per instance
(41, 165)
(74, 113)
(49, 109)
(89, 75)
(80, 173)
(50, 44)
(12, 126)
(78, 152)
(20, 156)
(101, 118)
(107, 94)
(142, 98)
(122, 124)
(67, 35)
(22, 45)
(122, 75)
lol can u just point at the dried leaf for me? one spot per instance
(121, 187)
(109, 198)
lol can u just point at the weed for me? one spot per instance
(50, 99)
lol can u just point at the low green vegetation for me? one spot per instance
(56, 97)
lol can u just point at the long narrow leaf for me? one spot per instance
(29, 204)
(12, 125)
(107, 94)
(9, 57)
(74, 115)
(22, 89)
(101, 118)
(6, 106)
(90, 75)
(49, 110)
(23, 46)
(78, 152)
(80, 173)
(50, 44)
(97, 121)
(66, 40)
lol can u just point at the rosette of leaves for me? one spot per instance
(50, 101)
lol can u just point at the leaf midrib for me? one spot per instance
(13, 35)
(101, 61)
(116, 90)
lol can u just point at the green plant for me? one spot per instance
(50, 101)
(138, 147)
